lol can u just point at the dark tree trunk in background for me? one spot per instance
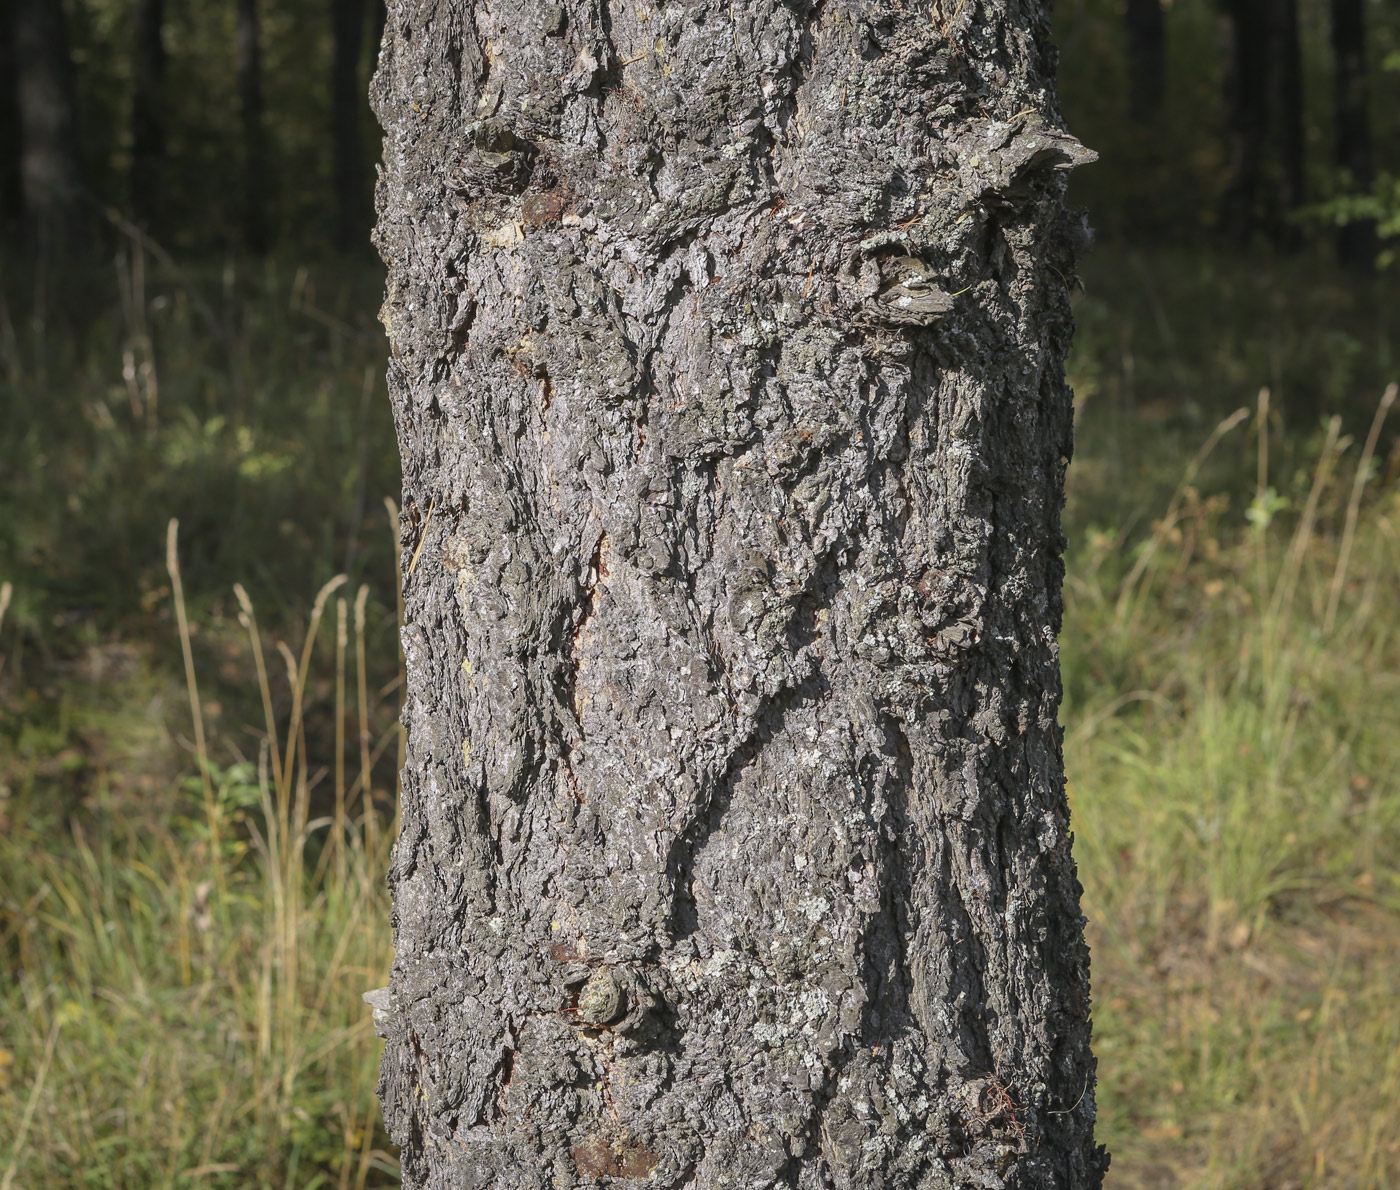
(1265, 105)
(1356, 241)
(148, 102)
(1246, 84)
(349, 174)
(256, 177)
(11, 195)
(1288, 104)
(50, 167)
(727, 364)
(1147, 58)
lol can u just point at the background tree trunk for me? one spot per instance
(50, 169)
(378, 14)
(1287, 102)
(11, 195)
(1265, 105)
(256, 175)
(1147, 58)
(1246, 84)
(147, 111)
(727, 365)
(1356, 244)
(349, 175)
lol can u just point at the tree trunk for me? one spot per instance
(1265, 106)
(349, 175)
(727, 365)
(147, 111)
(256, 174)
(1288, 104)
(1147, 58)
(1356, 244)
(50, 170)
(10, 193)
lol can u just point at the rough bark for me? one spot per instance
(148, 103)
(1146, 33)
(727, 365)
(50, 168)
(348, 172)
(256, 176)
(1356, 243)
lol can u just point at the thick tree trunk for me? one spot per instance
(50, 169)
(256, 175)
(348, 173)
(1356, 241)
(1147, 58)
(727, 364)
(147, 111)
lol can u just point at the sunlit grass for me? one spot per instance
(187, 1008)
(189, 913)
(1236, 789)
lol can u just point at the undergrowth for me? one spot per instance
(196, 804)
(1233, 750)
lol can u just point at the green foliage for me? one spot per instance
(1381, 206)
(1164, 180)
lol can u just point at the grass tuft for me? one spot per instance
(1238, 833)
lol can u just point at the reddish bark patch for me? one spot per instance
(600, 1157)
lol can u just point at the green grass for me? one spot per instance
(1234, 761)
(192, 912)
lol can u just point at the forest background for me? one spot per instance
(198, 722)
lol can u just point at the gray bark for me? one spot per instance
(727, 364)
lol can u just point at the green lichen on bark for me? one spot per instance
(727, 346)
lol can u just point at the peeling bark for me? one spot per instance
(727, 366)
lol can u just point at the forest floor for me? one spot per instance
(188, 951)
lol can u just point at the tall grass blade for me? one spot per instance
(172, 566)
(1363, 469)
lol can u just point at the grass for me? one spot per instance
(187, 1008)
(196, 781)
(1233, 749)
